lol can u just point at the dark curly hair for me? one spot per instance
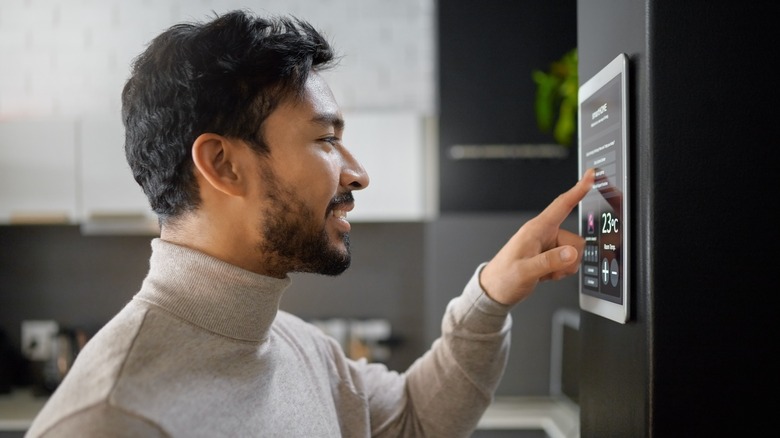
(224, 76)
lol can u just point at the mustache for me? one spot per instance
(340, 199)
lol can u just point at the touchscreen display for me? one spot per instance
(604, 222)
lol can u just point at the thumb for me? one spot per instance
(555, 260)
(566, 253)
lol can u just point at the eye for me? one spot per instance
(332, 140)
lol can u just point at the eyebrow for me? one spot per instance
(328, 120)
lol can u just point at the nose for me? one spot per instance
(353, 174)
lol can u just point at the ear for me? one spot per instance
(215, 158)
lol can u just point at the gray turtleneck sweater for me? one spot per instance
(203, 350)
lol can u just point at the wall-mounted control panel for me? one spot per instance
(604, 219)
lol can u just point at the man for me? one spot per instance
(236, 140)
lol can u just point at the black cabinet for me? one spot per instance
(487, 52)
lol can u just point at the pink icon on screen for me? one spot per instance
(591, 223)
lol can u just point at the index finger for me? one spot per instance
(562, 206)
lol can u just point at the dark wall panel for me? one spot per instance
(614, 388)
(695, 360)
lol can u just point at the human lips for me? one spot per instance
(341, 205)
(340, 210)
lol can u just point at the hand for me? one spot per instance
(540, 250)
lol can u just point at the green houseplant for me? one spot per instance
(556, 98)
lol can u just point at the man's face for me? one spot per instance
(305, 185)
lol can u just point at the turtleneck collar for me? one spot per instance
(211, 293)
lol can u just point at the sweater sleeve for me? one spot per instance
(446, 391)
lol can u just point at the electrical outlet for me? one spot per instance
(37, 338)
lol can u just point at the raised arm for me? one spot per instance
(540, 250)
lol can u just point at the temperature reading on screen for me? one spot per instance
(609, 223)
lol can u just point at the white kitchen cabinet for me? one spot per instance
(63, 170)
(395, 149)
(111, 201)
(38, 171)
(75, 171)
(391, 145)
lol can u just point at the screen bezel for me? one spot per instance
(613, 307)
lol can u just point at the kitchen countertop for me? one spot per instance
(18, 409)
(558, 417)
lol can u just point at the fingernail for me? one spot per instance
(567, 254)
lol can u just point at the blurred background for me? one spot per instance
(420, 82)
(441, 104)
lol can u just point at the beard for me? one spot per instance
(295, 240)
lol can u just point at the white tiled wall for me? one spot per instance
(70, 58)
